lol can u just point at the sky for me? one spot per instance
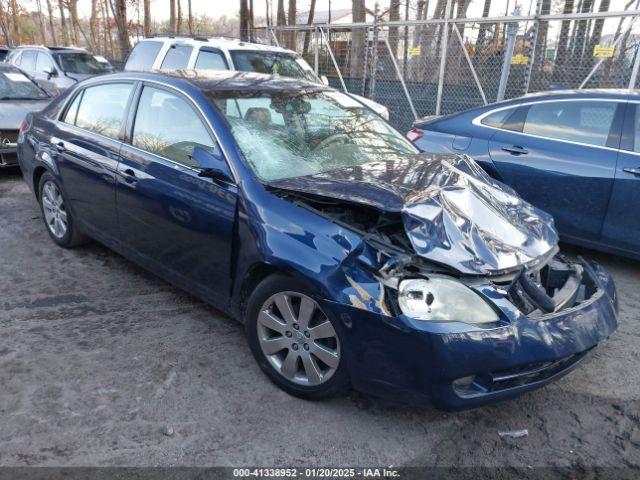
(217, 8)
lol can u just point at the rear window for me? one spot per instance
(177, 57)
(496, 119)
(143, 55)
(210, 60)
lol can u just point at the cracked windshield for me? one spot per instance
(284, 136)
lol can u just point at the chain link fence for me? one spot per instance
(439, 66)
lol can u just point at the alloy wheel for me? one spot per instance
(298, 339)
(55, 213)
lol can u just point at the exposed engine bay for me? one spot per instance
(550, 284)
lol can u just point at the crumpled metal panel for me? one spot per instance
(453, 212)
(469, 221)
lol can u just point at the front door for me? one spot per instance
(622, 224)
(561, 157)
(177, 223)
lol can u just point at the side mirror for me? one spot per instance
(212, 166)
(324, 79)
(50, 72)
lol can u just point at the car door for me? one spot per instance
(622, 224)
(28, 61)
(561, 157)
(88, 139)
(175, 222)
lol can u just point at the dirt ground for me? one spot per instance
(99, 358)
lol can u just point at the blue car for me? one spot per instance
(351, 258)
(572, 153)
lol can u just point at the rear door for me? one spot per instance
(561, 157)
(173, 221)
(622, 224)
(88, 141)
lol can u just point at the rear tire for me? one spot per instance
(297, 345)
(55, 215)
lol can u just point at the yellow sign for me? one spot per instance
(603, 52)
(519, 59)
(414, 51)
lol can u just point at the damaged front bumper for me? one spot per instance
(456, 365)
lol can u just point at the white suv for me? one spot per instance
(220, 53)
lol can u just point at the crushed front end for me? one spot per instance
(458, 296)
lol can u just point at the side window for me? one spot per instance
(636, 129)
(585, 122)
(177, 57)
(28, 61)
(72, 111)
(102, 108)
(497, 119)
(17, 59)
(143, 56)
(167, 125)
(209, 60)
(44, 63)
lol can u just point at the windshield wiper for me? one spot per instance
(22, 98)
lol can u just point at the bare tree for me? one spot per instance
(563, 44)
(72, 7)
(307, 35)
(119, 10)
(244, 20)
(16, 24)
(147, 17)
(63, 24)
(172, 15)
(394, 16)
(358, 15)
(52, 25)
(292, 21)
(281, 18)
(189, 17)
(108, 39)
(179, 20)
(5, 26)
(93, 26)
(43, 29)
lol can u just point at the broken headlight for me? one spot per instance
(441, 299)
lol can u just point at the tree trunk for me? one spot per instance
(244, 21)
(108, 39)
(563, 46)
(482, 33)
(281, 19)
(394, 16)
(63, 25)
(189, 17)
(172, 16)
(179, 20)
(52, 25)
(93, 27)
(119, 10)
(72, 6)
(358, 37)
(16, 23)
(43, 29)
(292, 21)
(308, 33)
(147, 17)
(5, 27)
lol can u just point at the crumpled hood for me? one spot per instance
(453, 212)
(12, 112)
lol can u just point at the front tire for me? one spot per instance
(55, 214)
(297, 345)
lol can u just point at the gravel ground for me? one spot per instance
(98, 359)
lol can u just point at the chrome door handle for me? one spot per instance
(515, 150)
(59, 146)
(632, 171)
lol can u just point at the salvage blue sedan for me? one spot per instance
(573, 153)
(351, 258)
